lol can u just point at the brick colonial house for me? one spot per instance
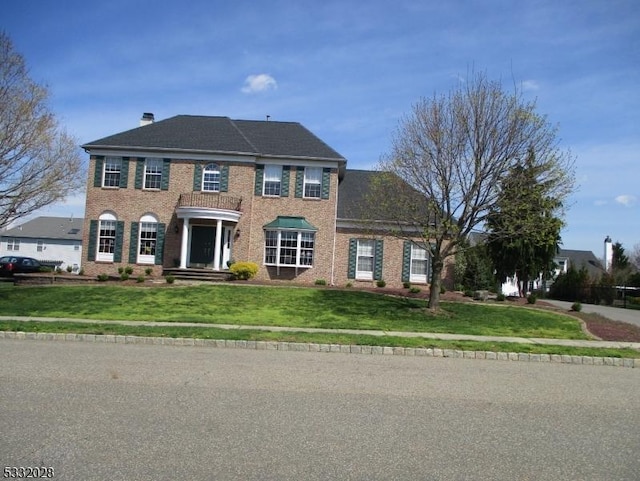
(196, 192)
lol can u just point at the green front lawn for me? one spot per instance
(283, 306)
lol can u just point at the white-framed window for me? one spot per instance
(365, 259)
(13, 244)
(40, 246)
(106, 237)
(152, 173)
(147, 239)
(289, 248)
(312, 182)
(211, 178)
(112, 171)
(272, 180)
(419, 264)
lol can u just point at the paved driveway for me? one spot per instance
(632, 316)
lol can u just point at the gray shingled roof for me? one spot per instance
(352, 197)
(578, 259)
(48, 228)
(222, 135)
(352, 193)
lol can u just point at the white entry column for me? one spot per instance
(218, 246)
(184, 245)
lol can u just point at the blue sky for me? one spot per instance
(348, 70)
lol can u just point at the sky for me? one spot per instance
(349, 70)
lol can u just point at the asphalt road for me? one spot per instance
(631, 316)
(144, 412)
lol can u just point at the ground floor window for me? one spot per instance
(147, 242)
(106, 239)
(419, 264)
(289, 248)
(365, 259)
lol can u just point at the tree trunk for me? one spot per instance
(436, 282)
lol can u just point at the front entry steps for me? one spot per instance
(193, 274)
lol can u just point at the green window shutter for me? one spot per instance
(97, 174)
(353, 258)
(160, 244)
(139, 173)
(124, 173)
(224, 178)
(378, 259)
(406, 261)
(133, 243)
(117, 251)
(299, 181)
(284, 182)
(326, 182)
(197, 178)
(93, 240)
(259, 179)
(166, 168)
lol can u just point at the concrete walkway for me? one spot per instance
(632, 316)
(426, 335)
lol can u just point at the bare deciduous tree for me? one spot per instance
(39, 163)
(448, 159)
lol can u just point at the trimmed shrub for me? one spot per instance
(148, 271)
(140, 279)
(531, 299)
(124, 276)
(381, 283)
(414, 290)
(120, 270)
(170, 279)
(576, 307)
(244, 270)
(103, 277)
(406, 284)
(69, 269)
(320, 282)
(349, 284)
(128, 270)
(500, 297)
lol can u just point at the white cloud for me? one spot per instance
(530, 85)
(626, 200)
(259, 83)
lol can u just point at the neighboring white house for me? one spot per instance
(55, 241)
(565, 258)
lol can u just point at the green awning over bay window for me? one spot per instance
(289, 223)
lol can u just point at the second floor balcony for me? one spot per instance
(210, 201)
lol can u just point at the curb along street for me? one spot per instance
(329, 348)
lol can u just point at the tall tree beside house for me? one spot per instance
(448, 158)
(524, 227)
(39, 163)
(621, 267)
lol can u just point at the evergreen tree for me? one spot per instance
(524, 230)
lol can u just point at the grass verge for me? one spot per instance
(319, 338)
